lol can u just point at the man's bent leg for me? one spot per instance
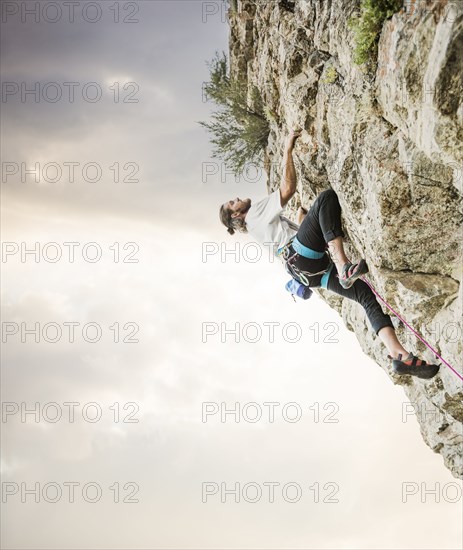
(361, 293)
(322, 223)
(403, 362)
(322, 226)
(337, 253)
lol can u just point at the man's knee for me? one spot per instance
(328, 192)
(329, 195)
(364, 294)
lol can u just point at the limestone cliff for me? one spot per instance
(388, 140)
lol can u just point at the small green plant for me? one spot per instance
(239, 127)
(331, 75)
(368, 24)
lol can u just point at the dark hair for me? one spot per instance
(232, 224)
(226, 219)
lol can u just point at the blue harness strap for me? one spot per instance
(306, 251)
(326, 276)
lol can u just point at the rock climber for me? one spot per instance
(314, 254)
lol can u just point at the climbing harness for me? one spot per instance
(412, 329)
(289, 254)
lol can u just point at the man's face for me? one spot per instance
(238, 206)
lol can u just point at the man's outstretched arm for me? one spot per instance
(288, 183)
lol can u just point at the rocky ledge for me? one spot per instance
(388, 140)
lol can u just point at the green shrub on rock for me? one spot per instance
(368, 24)
(239, 128)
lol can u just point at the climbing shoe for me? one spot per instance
(414, 366)
(351, 272)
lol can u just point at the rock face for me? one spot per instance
(388, 140)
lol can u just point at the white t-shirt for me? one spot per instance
(266, 225)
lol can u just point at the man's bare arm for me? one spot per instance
(288, 183)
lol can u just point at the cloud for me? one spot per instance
(170, 213)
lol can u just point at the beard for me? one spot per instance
(246, 207)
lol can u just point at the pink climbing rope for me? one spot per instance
(412, 329)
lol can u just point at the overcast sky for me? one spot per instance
(164, 300)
